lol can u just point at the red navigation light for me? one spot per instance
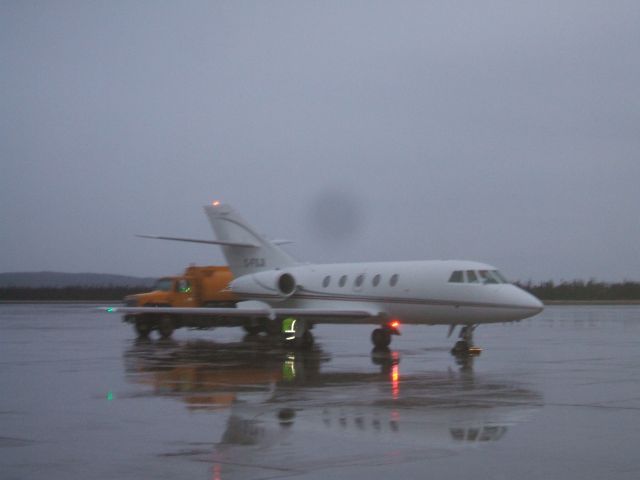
(395, 324)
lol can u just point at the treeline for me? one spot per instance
(580, 290)
(67, 293)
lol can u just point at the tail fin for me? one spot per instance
(245, 250)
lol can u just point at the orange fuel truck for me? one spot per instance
(197, 287)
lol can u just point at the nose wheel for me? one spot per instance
(465, 346)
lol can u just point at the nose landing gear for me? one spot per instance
(465, 346)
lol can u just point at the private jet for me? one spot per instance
(281, 295)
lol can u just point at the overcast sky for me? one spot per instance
(505, 132)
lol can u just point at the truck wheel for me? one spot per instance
(165, 326)
(142, 327)
(307, 340)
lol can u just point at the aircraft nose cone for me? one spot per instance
(531, 303)
(537, 305)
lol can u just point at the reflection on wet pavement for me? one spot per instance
(555, 397)
(284, 404)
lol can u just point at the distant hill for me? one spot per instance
(62, 280)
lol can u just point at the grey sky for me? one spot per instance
(494, 131)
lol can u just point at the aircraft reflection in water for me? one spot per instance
(271, 394)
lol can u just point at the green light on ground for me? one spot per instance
(110, 395)
(111, 309)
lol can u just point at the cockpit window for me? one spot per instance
(477, 276)
(502, 278)
(488, 276)
(456, 277)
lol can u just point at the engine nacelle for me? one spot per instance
(271, 284)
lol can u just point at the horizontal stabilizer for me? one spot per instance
(193, 240)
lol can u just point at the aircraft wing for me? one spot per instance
(318, 315)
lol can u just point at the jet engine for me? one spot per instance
(272, 284)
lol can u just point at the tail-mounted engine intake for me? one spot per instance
(270, 284)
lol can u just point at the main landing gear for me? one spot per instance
(289, 332)
(381, 337)
(465, 346)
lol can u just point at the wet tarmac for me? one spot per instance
(557, 396)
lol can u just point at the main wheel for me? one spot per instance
(273, 327)
(303, 342)
(307, 340)
(252, 329)
(381, 337)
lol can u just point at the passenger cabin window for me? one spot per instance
(343, 280)
(359, 280)
(456, 277)
(393, 280)
(326, 281)
(376, 280)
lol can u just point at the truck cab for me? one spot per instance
(197, 287)
(167, 291)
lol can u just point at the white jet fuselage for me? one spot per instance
(415, 292)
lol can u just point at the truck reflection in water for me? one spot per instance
(284, 403)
